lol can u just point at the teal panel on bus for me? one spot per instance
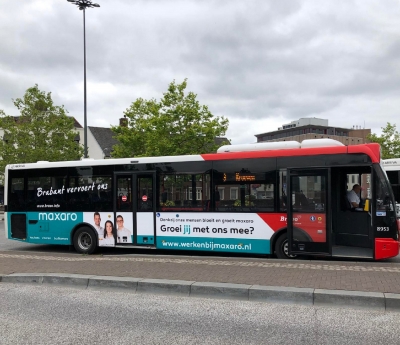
(50, 227)
(233, 245)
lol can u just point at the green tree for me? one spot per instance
(175, 125)
(389, 141)
(42, 131)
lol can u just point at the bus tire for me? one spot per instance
(282, 248)
(85, 240)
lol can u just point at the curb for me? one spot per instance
(275, 294)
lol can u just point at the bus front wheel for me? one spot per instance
(282, 248)
(85, 241)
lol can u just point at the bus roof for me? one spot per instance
(306, 148)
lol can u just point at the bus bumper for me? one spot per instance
(386, 248)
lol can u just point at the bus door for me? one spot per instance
(307, 215)
(135, 206)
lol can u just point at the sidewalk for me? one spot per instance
(370, 277)
(355, 276)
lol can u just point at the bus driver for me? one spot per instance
(354, 196)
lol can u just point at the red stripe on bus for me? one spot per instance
(372, 150)
(312, 224)
(386, 248)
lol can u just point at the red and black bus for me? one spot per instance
(285, 198)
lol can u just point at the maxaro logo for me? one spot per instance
(58, 216)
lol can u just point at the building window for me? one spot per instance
(199, 192)
(234, 193)
(221, 193)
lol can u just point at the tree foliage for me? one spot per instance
(175, 125)
(42, 131)
(389, 141)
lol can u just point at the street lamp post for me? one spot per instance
(82, 5)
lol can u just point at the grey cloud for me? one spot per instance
(249, 60)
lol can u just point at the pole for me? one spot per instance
(84, 89)
(82, 5)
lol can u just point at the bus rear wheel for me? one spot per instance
(85, 241)
(282, 248)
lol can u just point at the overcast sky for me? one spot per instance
(259, 63)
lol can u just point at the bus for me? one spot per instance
(392, 168)
(287, 199)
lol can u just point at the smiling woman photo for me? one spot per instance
(109, 234)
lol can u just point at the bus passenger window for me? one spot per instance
(89, 193)
(16, 195)
(184, 192)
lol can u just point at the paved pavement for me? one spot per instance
(342, 275)
(344, 283)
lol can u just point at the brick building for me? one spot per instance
(314, 128)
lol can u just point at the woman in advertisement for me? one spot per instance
(109, 234)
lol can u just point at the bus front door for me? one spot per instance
(307, 214)
(135, 208)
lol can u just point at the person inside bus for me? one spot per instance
(353, 196)
(283, 202)
(99, 229)
(145, 202)
(217, 198)
(123, 234)
(303, 200)
(300, 200)
(109, 234)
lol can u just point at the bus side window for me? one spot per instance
(13, 200)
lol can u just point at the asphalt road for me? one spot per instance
(59, 315)
(11, 245)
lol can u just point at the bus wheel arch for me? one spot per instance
(281, 246)
(274, 238)
(84, 240)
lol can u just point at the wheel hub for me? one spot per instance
(84, 241)
(286, 250)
